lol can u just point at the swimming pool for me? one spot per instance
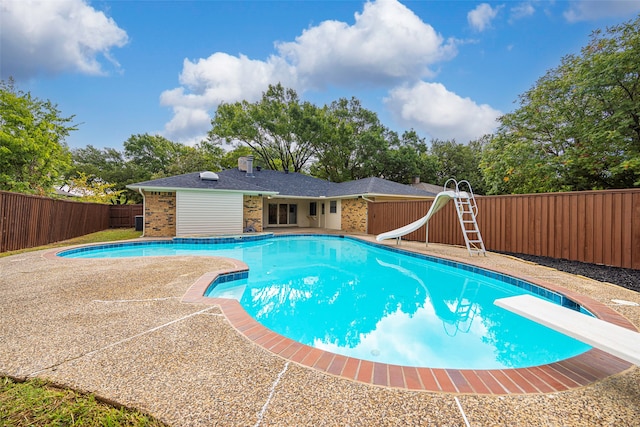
(370, 302)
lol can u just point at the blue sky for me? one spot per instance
(447, 69)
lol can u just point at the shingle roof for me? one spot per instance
(285, 184)
(432, 188)
(377, 186)
(193, 181)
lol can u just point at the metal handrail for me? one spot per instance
(474, 204)
(472, 198)
(468, 199)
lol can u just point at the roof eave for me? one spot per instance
(215, 190)
(353, 196)
(293, 196)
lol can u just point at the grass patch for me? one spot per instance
(35, 403)
(109, 235)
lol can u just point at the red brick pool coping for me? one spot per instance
(578, 371)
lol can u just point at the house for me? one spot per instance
(247, 199)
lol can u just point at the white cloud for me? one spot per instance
(387, 44)
(521, 11)
(54, 36)
(431, 108)
(219, 78)
(588, 10)
(196, 120)
(480, 18)
(222, 77)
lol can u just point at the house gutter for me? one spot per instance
(214, 190)
(364, 196)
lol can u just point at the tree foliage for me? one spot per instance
(33, 152)
(280, 129)
(340, 142)
(459, 161)
(578, 128)
(153, 155)
(144, 157)
(95, 190)
(107, 164)
(406, 158)
(353, 145)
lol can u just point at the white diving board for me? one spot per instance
(621, 342)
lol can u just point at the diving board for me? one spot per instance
(621, 342)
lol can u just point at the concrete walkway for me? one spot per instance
(118, 328)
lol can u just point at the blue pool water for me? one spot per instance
(366, 301)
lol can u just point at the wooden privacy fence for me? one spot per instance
(124, 216)
(600, 227)
(29, 221)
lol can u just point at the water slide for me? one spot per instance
(442, 198)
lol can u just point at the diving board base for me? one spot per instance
(616, 340)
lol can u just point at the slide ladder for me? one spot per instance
(467, 210)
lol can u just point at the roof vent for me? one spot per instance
(208, 176)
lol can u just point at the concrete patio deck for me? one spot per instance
(118, 328)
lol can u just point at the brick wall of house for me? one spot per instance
(159, 214)
(354, 215)
(252, 212)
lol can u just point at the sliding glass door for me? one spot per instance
(283, 214)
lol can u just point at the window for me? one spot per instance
(322, 209)
(283, 213)
(333, 206)
(313, 208)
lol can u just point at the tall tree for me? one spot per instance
(407, 158)
(151, 154)
(204, 156)
(107, 164)
(145, 157)
(106, 167)
(95, 190)
(33, 152)
(578, 128)
(279, 128)
(459, 161)
(354, 143)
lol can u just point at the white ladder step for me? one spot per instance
(467, 210)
